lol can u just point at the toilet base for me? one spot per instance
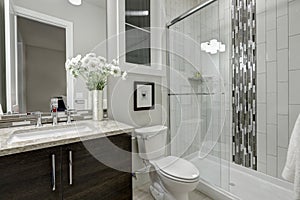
(158, 193)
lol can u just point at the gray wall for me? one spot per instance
(89, 21)
(120, 93)
(121, 101)
(2, 58)
(89, 27)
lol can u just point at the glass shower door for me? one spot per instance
(197, 94)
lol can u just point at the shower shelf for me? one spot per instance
(196, 79)
(197, 94)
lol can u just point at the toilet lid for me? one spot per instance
(150, 131)
(178, 168)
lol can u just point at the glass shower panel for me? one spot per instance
(197, 92)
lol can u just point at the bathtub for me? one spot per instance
(242, 183)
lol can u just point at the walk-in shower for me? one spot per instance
(198, 62)
(223, 80)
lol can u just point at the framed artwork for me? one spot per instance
(144, 96)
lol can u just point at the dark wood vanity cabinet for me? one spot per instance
(89, 170)
(32, 175)
(94, 169)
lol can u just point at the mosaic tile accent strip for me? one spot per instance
(244, 83)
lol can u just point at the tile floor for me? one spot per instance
(142, 193)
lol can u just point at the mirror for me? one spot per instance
(39, 37)
(2, 59)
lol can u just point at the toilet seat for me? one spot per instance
(177, 169)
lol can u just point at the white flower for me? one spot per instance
(103, 60)
(124, 76)
(116, 71)
(75, 61)
(115, 62)
(91, 55)
(94, 70)
(90, 61)
(67, 64)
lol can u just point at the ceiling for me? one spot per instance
(100, 3)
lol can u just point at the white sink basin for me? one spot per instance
(47, 133)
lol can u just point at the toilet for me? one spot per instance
(172, 178)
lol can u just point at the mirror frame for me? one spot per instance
(43, 18)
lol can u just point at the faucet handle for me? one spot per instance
(70, 109)
(38, 114)
(69, 112)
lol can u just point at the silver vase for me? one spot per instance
(97, 105)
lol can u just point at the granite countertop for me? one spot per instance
(10, 144)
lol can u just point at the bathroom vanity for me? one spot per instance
(95, 164)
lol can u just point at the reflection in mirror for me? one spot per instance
(41, 58)
(41, 36)
(2, 58)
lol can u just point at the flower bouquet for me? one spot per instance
(95, 70)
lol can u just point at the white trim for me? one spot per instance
(7, 54)
(16, 59)
(156, 68)
(47, 19)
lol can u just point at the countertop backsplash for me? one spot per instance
(16, 120)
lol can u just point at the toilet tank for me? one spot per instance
(152, 142)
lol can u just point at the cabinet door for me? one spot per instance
(31, 176)
(86, 174)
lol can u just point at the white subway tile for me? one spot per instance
(262, 118)
(271, 77)
(294, 111)
(272, 108)
(260, 6)
(261, 27)
(261, 148)
(261, 58)
(271, 45)
(294, 87)
(272, 140)
(261, 88)
(272, 165)
(283, 65)
(282, 7)
(294, 16)
(283, 98)
(262, 167)
(282, 154)
(271, 14)
(282, 32)
(294, 58)
(283, 131)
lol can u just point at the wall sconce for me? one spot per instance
(213, 47)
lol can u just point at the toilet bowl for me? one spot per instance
(172, 178)
(177, 177)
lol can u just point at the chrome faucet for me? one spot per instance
(54, 118)
(69, 113)
(53, 109)
(54, 115)
(39, 118)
